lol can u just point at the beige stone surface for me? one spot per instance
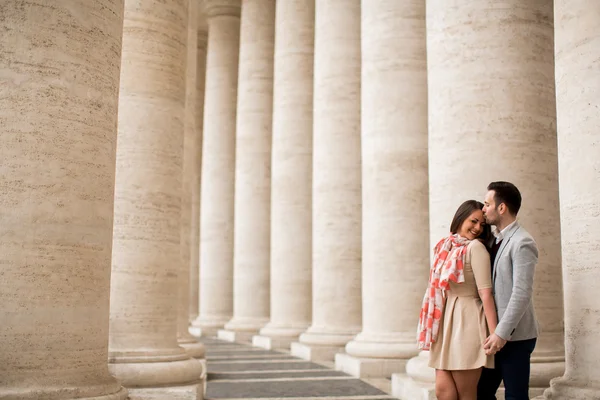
(188, 392)
(196, 162)
(218, 167)
(577, 37)
(395, 244)
(336, 175)
(492, 117)
(59, 80)
(196, 154)
(418, 381)
(253, 168)
(189, 175)
(291, 185)
(146, 239)
(364, 367)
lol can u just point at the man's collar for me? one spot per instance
(501, 234)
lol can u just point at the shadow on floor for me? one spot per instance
(239, 371)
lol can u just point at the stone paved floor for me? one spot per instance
(238, 371)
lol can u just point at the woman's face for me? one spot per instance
(472, 227)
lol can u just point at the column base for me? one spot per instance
(237, 337)
(377, 355)
(273, 343)
(406, 388)
(315, 352)
(543, 370)
(241, 330)
(383, 345)
(119, 393)
(187, 392)
(369, 367)
(418, 383)
(194, 348)
(169, 368)
(207, 326)
(280, 337)
(195, 331)
(564, 388)
(318, 344)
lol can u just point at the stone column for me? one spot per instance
(58, 117)
(394, 149)
(336, 182)
(144, 353)
(291, 185)
(196, 144)
(253, 172)
(492, 117)
(218, 167)
(577, 36)
(189, 174)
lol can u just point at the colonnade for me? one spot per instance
(96, 233)
(275, 173)
(397, 143)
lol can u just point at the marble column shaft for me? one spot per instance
(59, 74)
(253, 171)
(577, 36)
(146, 239)
(291, 185)
(189, 174)
(196, 144)
(336, 179)
(492, 117)
(218, 167)
(394, 149)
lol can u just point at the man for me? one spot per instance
(513, 254)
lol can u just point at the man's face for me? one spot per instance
(489, 209)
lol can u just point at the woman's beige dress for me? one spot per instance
(463, 328)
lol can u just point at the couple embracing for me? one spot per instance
(477, 318)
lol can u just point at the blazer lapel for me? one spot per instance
(503, 245)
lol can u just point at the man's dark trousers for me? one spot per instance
(512, 366)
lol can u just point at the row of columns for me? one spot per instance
(494, 112)
(361, 183)
(101, 99)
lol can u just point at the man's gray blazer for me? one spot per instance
(514, 268)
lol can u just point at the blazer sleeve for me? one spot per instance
(524, 260)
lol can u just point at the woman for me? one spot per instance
(457, 304)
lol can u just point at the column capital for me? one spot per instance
(214, 8)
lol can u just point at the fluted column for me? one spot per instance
(336, 219)
(189, 174)
(577, 36)
(218, 167)
(492, 117)
(253, 172)
(58, 117)
(394, 149)
(291, 184)
(196, 144)
(144, 353)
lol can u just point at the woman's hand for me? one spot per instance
(493, 344)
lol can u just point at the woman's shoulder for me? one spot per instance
(477, 246)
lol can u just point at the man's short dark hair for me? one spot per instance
(507, 193)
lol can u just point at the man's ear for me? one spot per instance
(502, 208)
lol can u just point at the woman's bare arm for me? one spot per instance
(489, 308)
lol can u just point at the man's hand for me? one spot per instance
(493, 344)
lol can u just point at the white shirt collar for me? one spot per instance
(500, 234)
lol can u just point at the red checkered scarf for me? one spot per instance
(448, 266)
